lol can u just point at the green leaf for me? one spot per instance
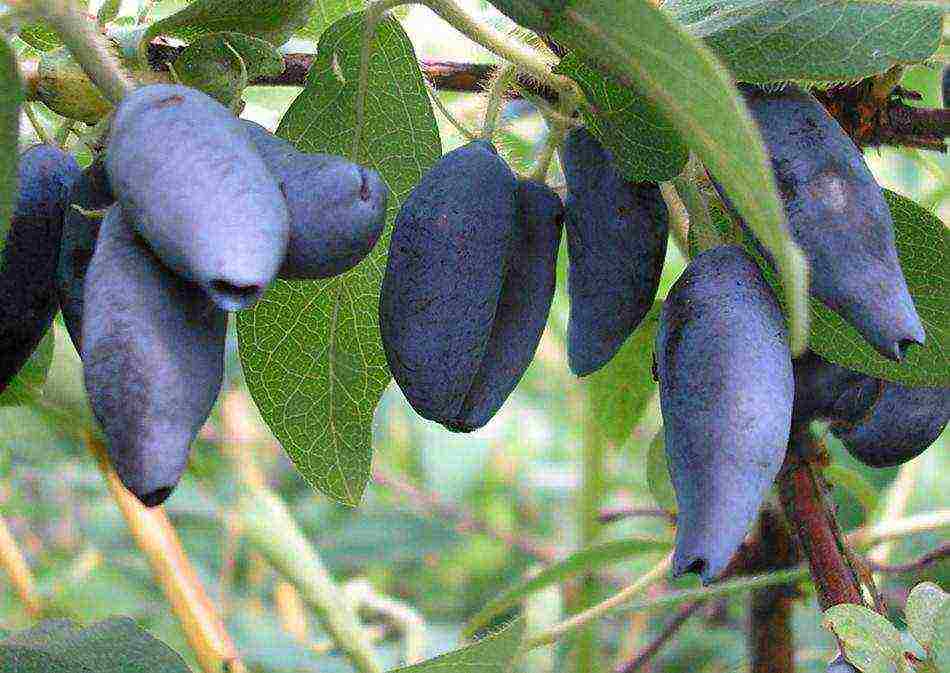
(108, 11)
(620, 392)
(940, 652)
(642, 47)
(855, 484)
(493, 654)
(658, 474)
(27, 385)
(923, 604)
(870, 641)
(812, 40)
(923, 247)
(115, 645)
(209, 65)
(584, 561)
(324, 14)
(645, 145)
(40, 36)
(11, 98)
(271, 20)
(311, 350)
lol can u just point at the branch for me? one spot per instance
(807, 507)
(13, 562)
(156, 537)
(429, 503)
(928, 559)
(643, 657)
(771, 645)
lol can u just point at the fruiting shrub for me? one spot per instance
(616, 236)
(153, 356)
(28, 299)
(726, 394)
(193, 184)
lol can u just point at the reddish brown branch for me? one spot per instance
(431, 503)
(771, 645)
(869, 122)
(811, 514)
(930, 558)
(644, 656)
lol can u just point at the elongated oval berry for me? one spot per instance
(616, 236)
(726, 393)
(337, 208)
(193, 184)
(841, 665)
(881, 423)
(91, 192)
(28, 299)
(838, 216)
(447, 262)
(523, 307)
(153, 355)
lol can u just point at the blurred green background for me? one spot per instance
(412, 537)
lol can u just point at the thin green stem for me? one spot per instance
(41, 132)
(525, 58)
(559, 122)
(862, 538)
(88, 46)
(496, 99)
(453, 120)
(700, 223)
(62, 133)
(679, 218)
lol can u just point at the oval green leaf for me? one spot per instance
(209, 64)
(311, 351)
(271, 20)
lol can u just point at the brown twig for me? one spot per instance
(868, 118)
(811, 513)
(645, 655)
(156, 537)
(771, 644)
(930, 558)
(465, 522)
(13, 563)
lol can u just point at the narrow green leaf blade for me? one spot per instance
(271, 20)
(643, 47)
(209, 64)
(584, 561)
(116, 645)
(870, 641)
(646, 147)
(311, 350)
(11, 98)
(812, 40)
(27, 385)
(923, 605)
(620, 392)
(493, 654)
